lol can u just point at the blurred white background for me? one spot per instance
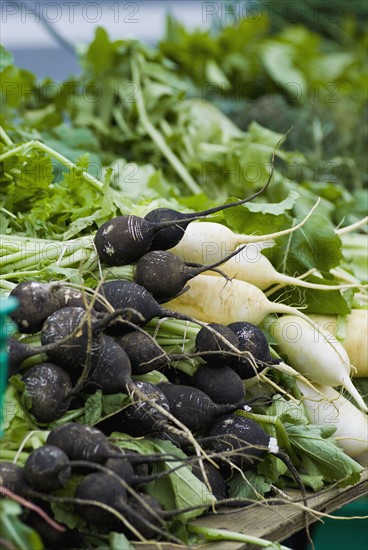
(25, 34)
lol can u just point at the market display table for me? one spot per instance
(272, 522)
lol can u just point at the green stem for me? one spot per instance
(223, 534)
(35, 144)
(156, 136)
(6, 454)
(4, 136)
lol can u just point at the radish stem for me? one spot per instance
(210, 533)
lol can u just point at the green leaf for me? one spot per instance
(6, 58)
(331, 461)
(249, 485)
(14, 531)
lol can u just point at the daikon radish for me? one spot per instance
(252, 266)
(354, 337)
(209, 242)
(335, 410)
(213, 300)
(310, 351)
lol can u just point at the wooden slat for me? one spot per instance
(274, 523)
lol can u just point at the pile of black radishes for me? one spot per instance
(96, 340)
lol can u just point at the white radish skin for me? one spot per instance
(335, 410)
(311, 352)
(213, 300)
(209, 242)
(355, 339)
(252, 267)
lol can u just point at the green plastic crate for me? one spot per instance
(7, 327)
(349, 534)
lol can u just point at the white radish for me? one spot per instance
(335, 410)
(252, 266)
(314, 353)
(353, 337)
(209, 242)
(213, 300)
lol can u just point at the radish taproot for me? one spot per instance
(210, 300)
(167, 237)
(144, 353)
(251, 266)
(310, 351)
(141, 307)
(124, 239)
(110, 369)
(164, 274)
(353, 338)
(205, 242)
(335, 410)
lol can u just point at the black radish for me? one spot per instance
(101, 488)
(217, 339)
(81, 442)
(252, 340)
(12, 478)
(124, 239)
(222, 384)
(139, 417)
(193, 407)
(145, 518)
(164, 274)
(169, 236)
(111, 369)
(143, 351)
(139, 304)
(214, 477)
(80, 326)
(240, 440)
(49, 386)
(47, 468)
(36, 301)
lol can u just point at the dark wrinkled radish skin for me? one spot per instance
(147, 531)
(192, 406)
(12, 478)
(48, 386)
(222, 384)
(124, 294)
(111, 369)
(124, 239)
(81, 442)
(139, 418)
(240, 439)
(47, 469)
(144, 353)
(251, 339)
(36, 301)
(208, 340)
(102, 488)
(71, 355)
(215, 479)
